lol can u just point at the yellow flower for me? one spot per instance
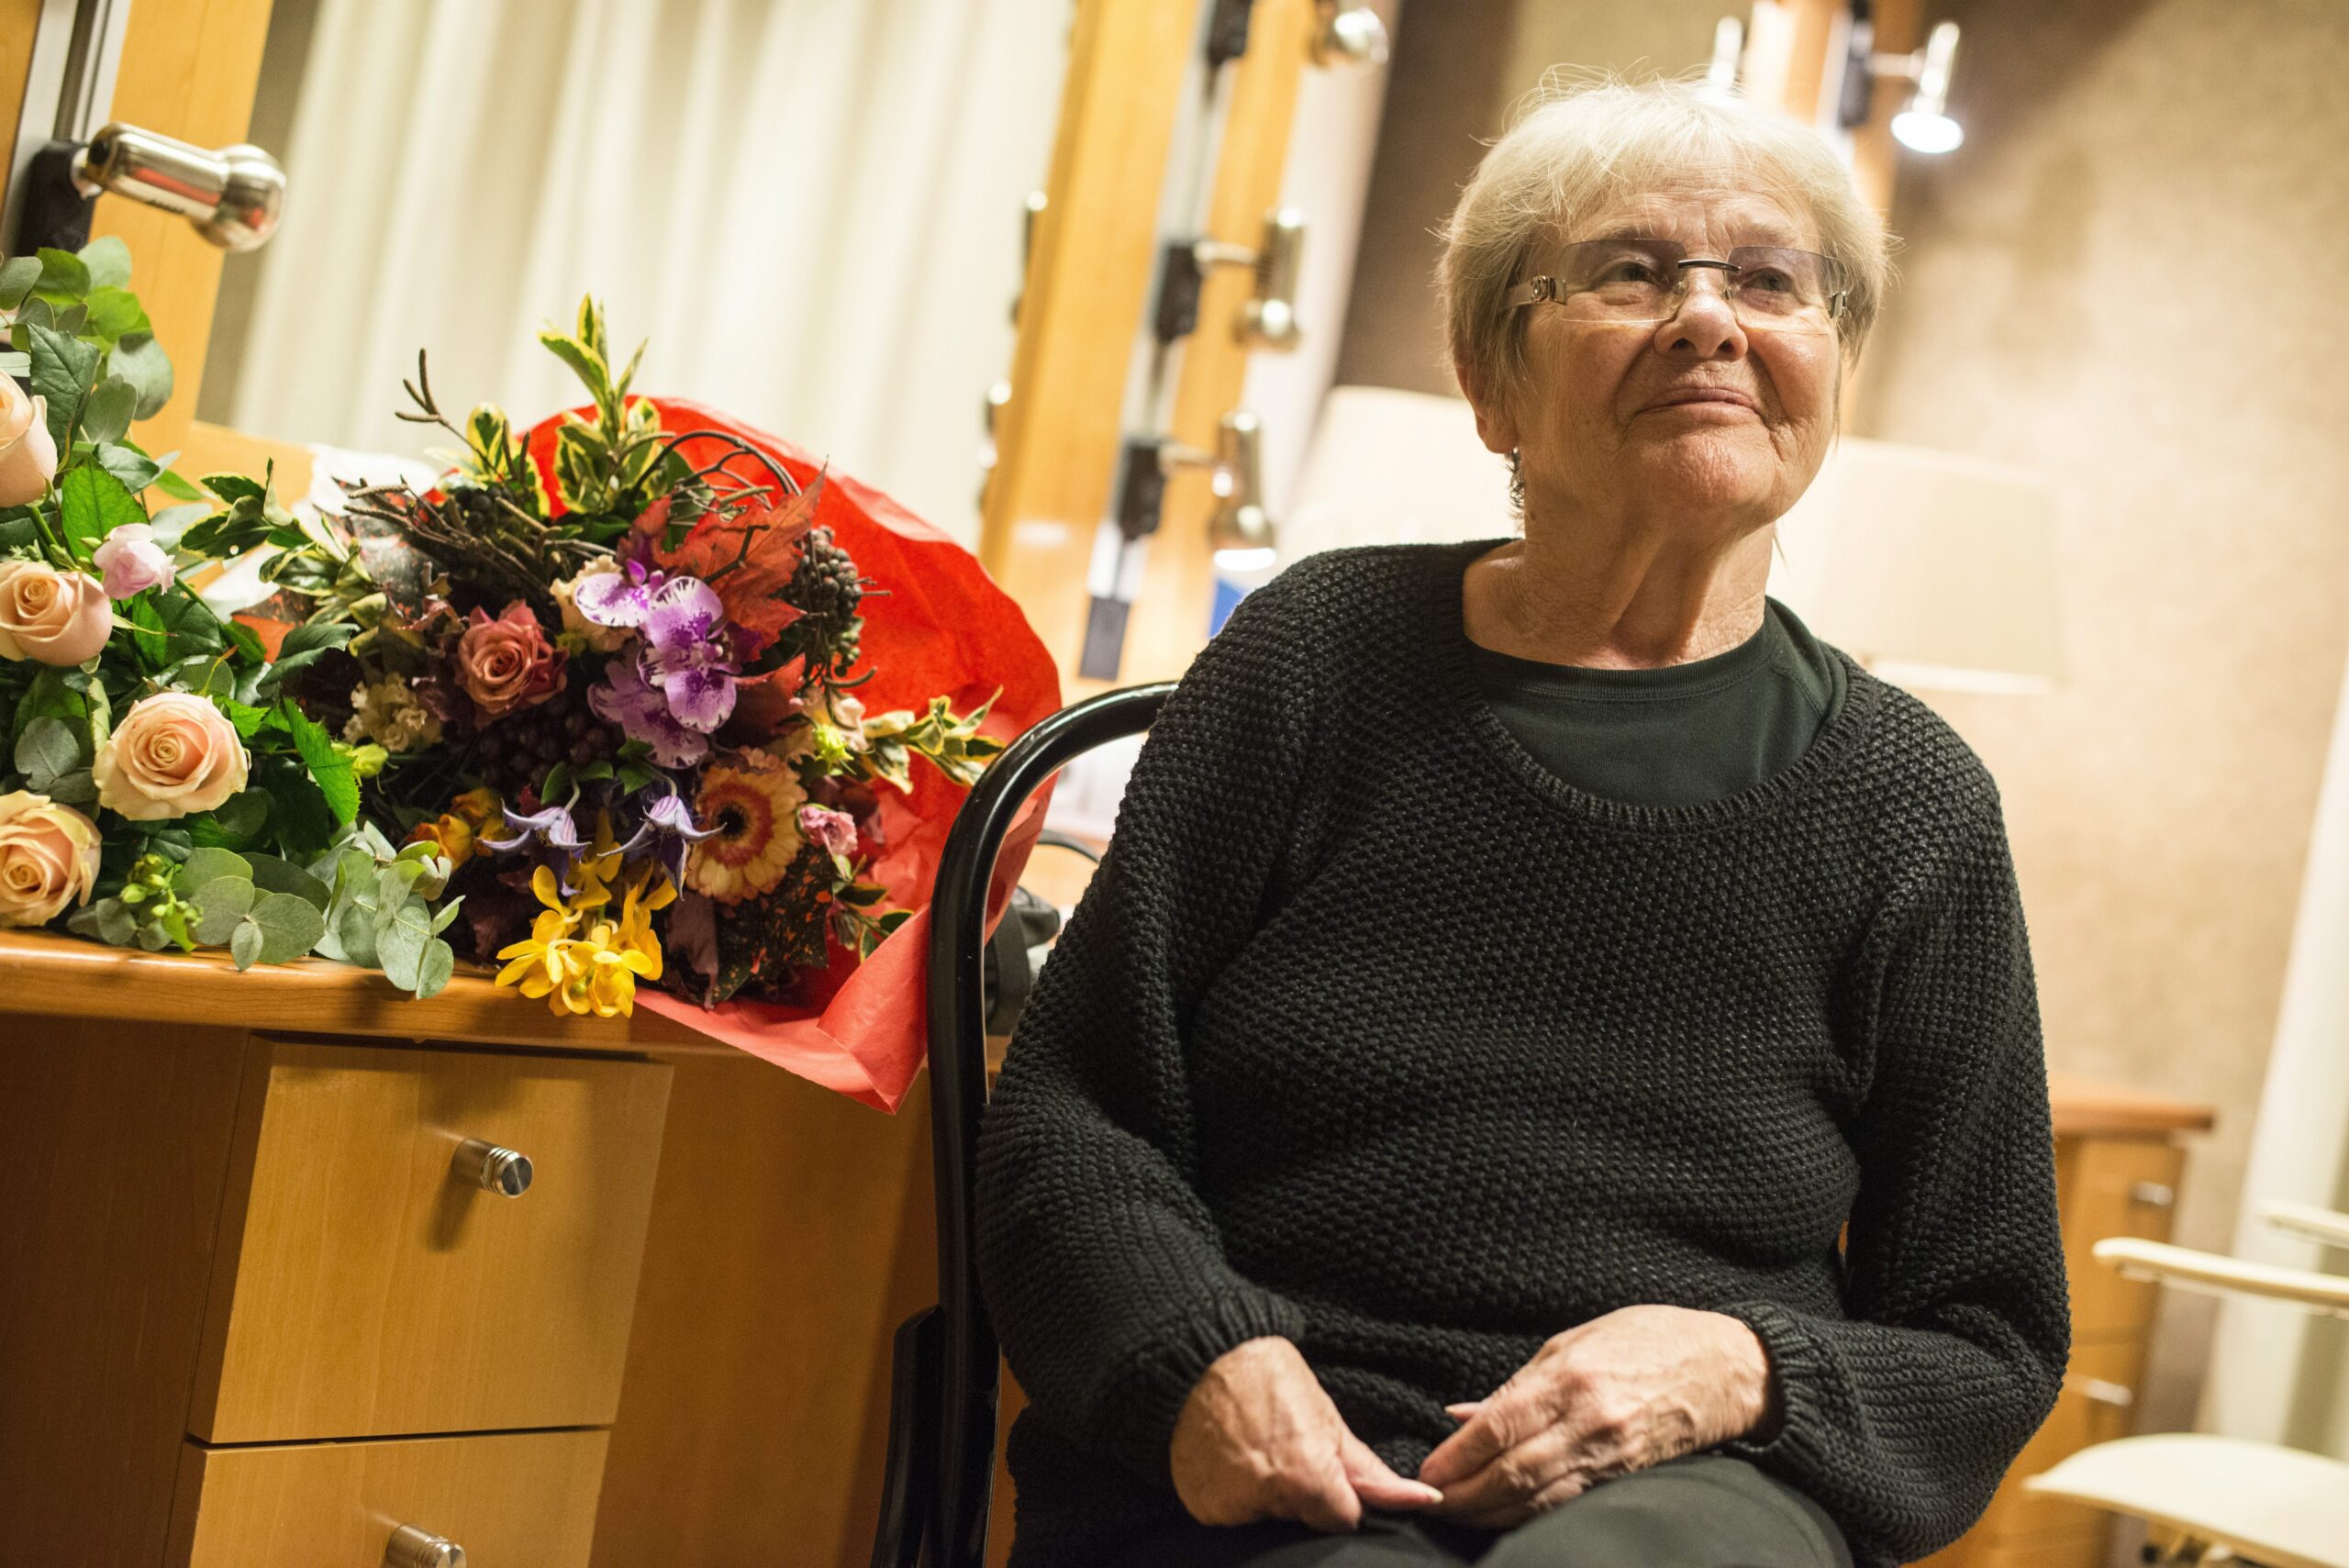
(581, 965)
(753, 804)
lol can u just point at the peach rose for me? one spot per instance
(28, 452)
(173, 753)
(49, 858)
(55, 617)
(506, 663)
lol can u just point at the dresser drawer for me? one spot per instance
(2116, 1186)
(367, 1288)
(509, 1500)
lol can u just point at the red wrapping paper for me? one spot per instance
(945, 629)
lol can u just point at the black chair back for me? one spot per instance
(940, 1472)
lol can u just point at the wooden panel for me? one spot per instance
(2066, 1549)
(2101, 1202)
(2077, 1421)
(19, 20)
(1095, 249)
(2086, 1108)
(67, 976)
(188, 70)
(113, 1147)
(519, 1500)
(1170, 614)
(793, 1229)
(372, 1293)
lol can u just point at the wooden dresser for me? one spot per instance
(2118, 1163)
(278, 1290)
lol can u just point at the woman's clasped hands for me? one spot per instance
(1259, 1439)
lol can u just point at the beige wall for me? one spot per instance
(2131, 278)
(2079, 297)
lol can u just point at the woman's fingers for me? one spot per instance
(1514, 1478)
(1502, 1420)
(1323, 1497)
(1376, 1484)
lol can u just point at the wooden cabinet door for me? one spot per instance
(370, 1291)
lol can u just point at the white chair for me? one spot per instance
(2223, 1499)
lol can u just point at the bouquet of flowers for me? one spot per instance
(159, 786)
(588, 709)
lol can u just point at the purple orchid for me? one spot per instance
(551, 827)
(626, 699)
(667, 832)
(622, 598)
(688, 653)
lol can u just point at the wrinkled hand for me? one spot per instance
(1633, 1388)
(1258, 1439)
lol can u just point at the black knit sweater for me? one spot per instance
(1373, 1033)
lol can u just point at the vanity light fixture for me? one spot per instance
(1350, 36)
(1924, 124)
(1239, 532)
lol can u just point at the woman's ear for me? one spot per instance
(1495, 427)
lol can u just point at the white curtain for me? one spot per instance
(811, 207)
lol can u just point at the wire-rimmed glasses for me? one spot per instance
(1771, 288)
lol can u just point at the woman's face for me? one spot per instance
(1589, 420)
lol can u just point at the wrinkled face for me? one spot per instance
(1590, 417)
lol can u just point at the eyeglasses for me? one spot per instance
(1770, 287)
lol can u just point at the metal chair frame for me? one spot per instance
(940, 1479)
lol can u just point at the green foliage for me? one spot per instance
(378, 912)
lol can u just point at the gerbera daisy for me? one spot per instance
(753, 804)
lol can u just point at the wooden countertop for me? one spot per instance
(54, 975)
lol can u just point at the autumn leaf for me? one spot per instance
(749, 557)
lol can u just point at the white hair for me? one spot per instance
(1579, 147)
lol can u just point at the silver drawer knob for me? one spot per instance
(414, 1547)
(502, 1171)
(2153, 1194)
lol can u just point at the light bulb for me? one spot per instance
(1923, 131)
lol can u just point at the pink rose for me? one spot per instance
(132, 560)
(49, 858)
(55, 617)
(506, 663)
(836, 830)
(28, 452)
(173, 753)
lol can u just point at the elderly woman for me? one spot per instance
(1549, 1068)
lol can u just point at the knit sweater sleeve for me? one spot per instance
(1101, 1267)
(1901, 1416)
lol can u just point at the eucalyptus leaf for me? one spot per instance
(439, 962)
(106, 416)
(245, 943)
(17, 280)
(76, 788)
(210, 865)
(108, 262)
(400, 943)
(134, 468)
(62, 273)
(284, 876)
(115, 313)
(446, 913)
(141, 361)
(358, 934)
(226, 901)
(291, 926)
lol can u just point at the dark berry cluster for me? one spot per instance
(515, 751)
(828, 590)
